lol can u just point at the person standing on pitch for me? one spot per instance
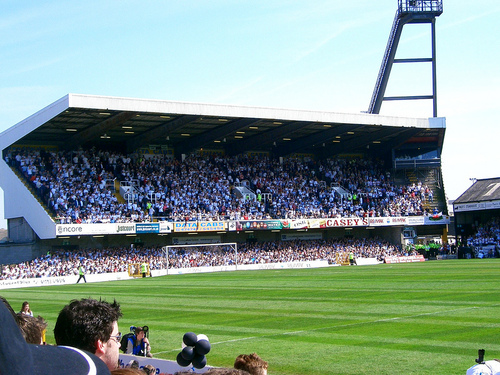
(81, 272)
(352, 259)
(144, 269)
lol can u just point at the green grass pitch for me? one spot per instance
(421, 318)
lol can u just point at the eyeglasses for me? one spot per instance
(117, 338)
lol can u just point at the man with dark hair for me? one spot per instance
(19, 357)
(91, 325)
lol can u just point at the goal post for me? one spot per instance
(212, 247)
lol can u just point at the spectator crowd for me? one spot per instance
(79, 187)
(97, 261)
(487, 234)
(88, 341)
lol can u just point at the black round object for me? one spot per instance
(202, 347)
(190, 339)
(188, 353)
(199, 361)
(182, 362)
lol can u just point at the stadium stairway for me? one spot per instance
(244, 192)
(117, 192)
(429, 177)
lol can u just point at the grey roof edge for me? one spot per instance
(19, 130)
(466, 196)
(228, 110)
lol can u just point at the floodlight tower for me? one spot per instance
(409, 11)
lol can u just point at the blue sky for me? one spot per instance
(315, 55)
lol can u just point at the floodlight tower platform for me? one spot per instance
(409, 11)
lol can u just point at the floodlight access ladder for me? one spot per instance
(409, 11)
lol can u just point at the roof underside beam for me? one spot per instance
(88, 134)
(357, 144)
(161, 131)
(267, 138)
(401, 137)
(314, 139)
(221, 132)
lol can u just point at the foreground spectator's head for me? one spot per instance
(149, 370)
(4, 302)
(225, 371)
(485, 368)
(91, 325)
(19, 357)
(32, 328)
(251, 363)
(127, 371)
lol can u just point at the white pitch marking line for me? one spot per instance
(319, 329)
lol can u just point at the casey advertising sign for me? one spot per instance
(351, 222)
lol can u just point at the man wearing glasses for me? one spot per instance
(91, 325)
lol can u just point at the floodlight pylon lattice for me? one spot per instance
(409, 11)
(233, 246)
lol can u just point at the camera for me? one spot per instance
(480, 354)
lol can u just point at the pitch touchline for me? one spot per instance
(319, 329)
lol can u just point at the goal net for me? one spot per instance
(201, 255)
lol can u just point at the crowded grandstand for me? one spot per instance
(106, 182)
(74, 186)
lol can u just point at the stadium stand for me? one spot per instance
(76, 180)
(73, 186)
(477, 208)
(485, 243)
(487, 234)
